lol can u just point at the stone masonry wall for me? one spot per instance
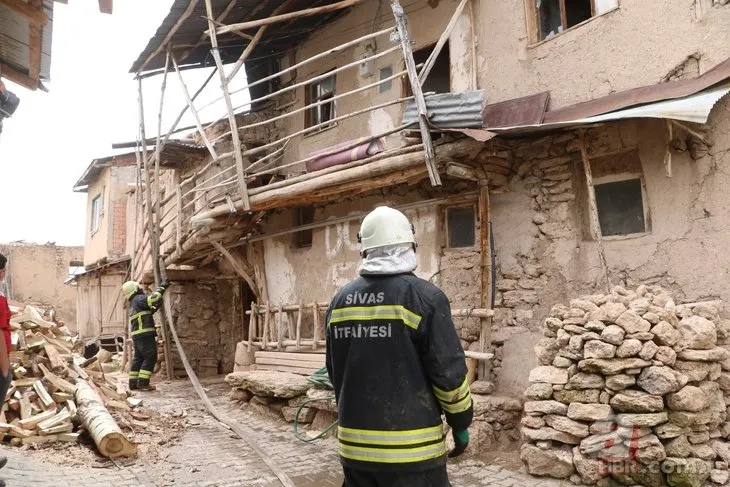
(630, 387)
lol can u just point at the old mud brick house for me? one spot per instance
(574, 150)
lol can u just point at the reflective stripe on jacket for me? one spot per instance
(396, 363)
(141, 309)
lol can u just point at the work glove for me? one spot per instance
(165, 284)
(461, 440)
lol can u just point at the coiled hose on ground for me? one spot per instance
(320, 380)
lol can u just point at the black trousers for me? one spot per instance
(145, 357)
(436, 477)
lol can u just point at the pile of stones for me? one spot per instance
(631, 388)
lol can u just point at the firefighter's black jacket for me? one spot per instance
(396, 363)
(141, 309)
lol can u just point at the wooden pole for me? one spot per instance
(165, 42)
(243, 189)
(431, 61)
(155, 226)
(252, 325)
(405, 42)
(256, 39)
(191, 106)
(280, 18)
(485, 336)
(237, 267)
(593, 206)
(668, 149)
(299, 325)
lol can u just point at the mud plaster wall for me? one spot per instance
(545, 254)
(209, 322)
(426, 24)
(37, 275)
(661, 34)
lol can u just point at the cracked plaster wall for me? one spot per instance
(545, 254)
(599, 57)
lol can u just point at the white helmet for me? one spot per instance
(385, 226)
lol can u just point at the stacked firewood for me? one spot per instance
(55, 391)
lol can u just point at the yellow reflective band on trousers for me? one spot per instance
(454, 401)
(370, 313)
(145, 374)
(406, 446)
(139, 329)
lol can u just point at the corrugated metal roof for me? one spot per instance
(449, 110)
(694, 108)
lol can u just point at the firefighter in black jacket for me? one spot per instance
(143, 333)
(396, 364)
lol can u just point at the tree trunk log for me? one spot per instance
(105, 432)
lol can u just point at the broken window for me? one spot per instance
(303, 216)
(97, 210)
(555, 16)
(321, 92)
(439, 79)
(460, 227)
(621, 209)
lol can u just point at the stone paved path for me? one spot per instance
(207, 454)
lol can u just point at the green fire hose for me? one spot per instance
(320, 380)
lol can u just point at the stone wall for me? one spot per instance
(209, 321)
(630, 386)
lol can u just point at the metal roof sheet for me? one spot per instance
(449, 110)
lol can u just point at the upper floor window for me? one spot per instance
(97, 211)
(321, 93)
(439, 79)
(556, 16)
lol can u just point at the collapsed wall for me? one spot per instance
(630, 387)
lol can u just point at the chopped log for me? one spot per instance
(33, 421)
(61, 397)
(38, 341)
(14, 404)
(55, 420)
(72, 408)
(58, 365)
(25, 411)
(81, 372)
(134, 402)
(121, 405)
(18, 432)
(24, 382)
(5, 427)
(105, 432)
(58, 383)
(43, 395)
(54, 430)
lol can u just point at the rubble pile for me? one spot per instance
(630, 386)
(53, 384)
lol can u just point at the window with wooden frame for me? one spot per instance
(549, 18)
(621, 199)
(97, 211)
(460, 227)
(303, 215)
(320, 93)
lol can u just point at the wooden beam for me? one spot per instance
(485, 247)
(163, 45)
(182, 275)
(593, 206)
(192, 109)
(256, 39)
(284, 17)
(20, 78)
(238, 268)
(33, 14)
(431, 61)
(240, 172)
(36, 45)
(405, 42)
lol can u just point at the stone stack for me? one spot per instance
(630, 386)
